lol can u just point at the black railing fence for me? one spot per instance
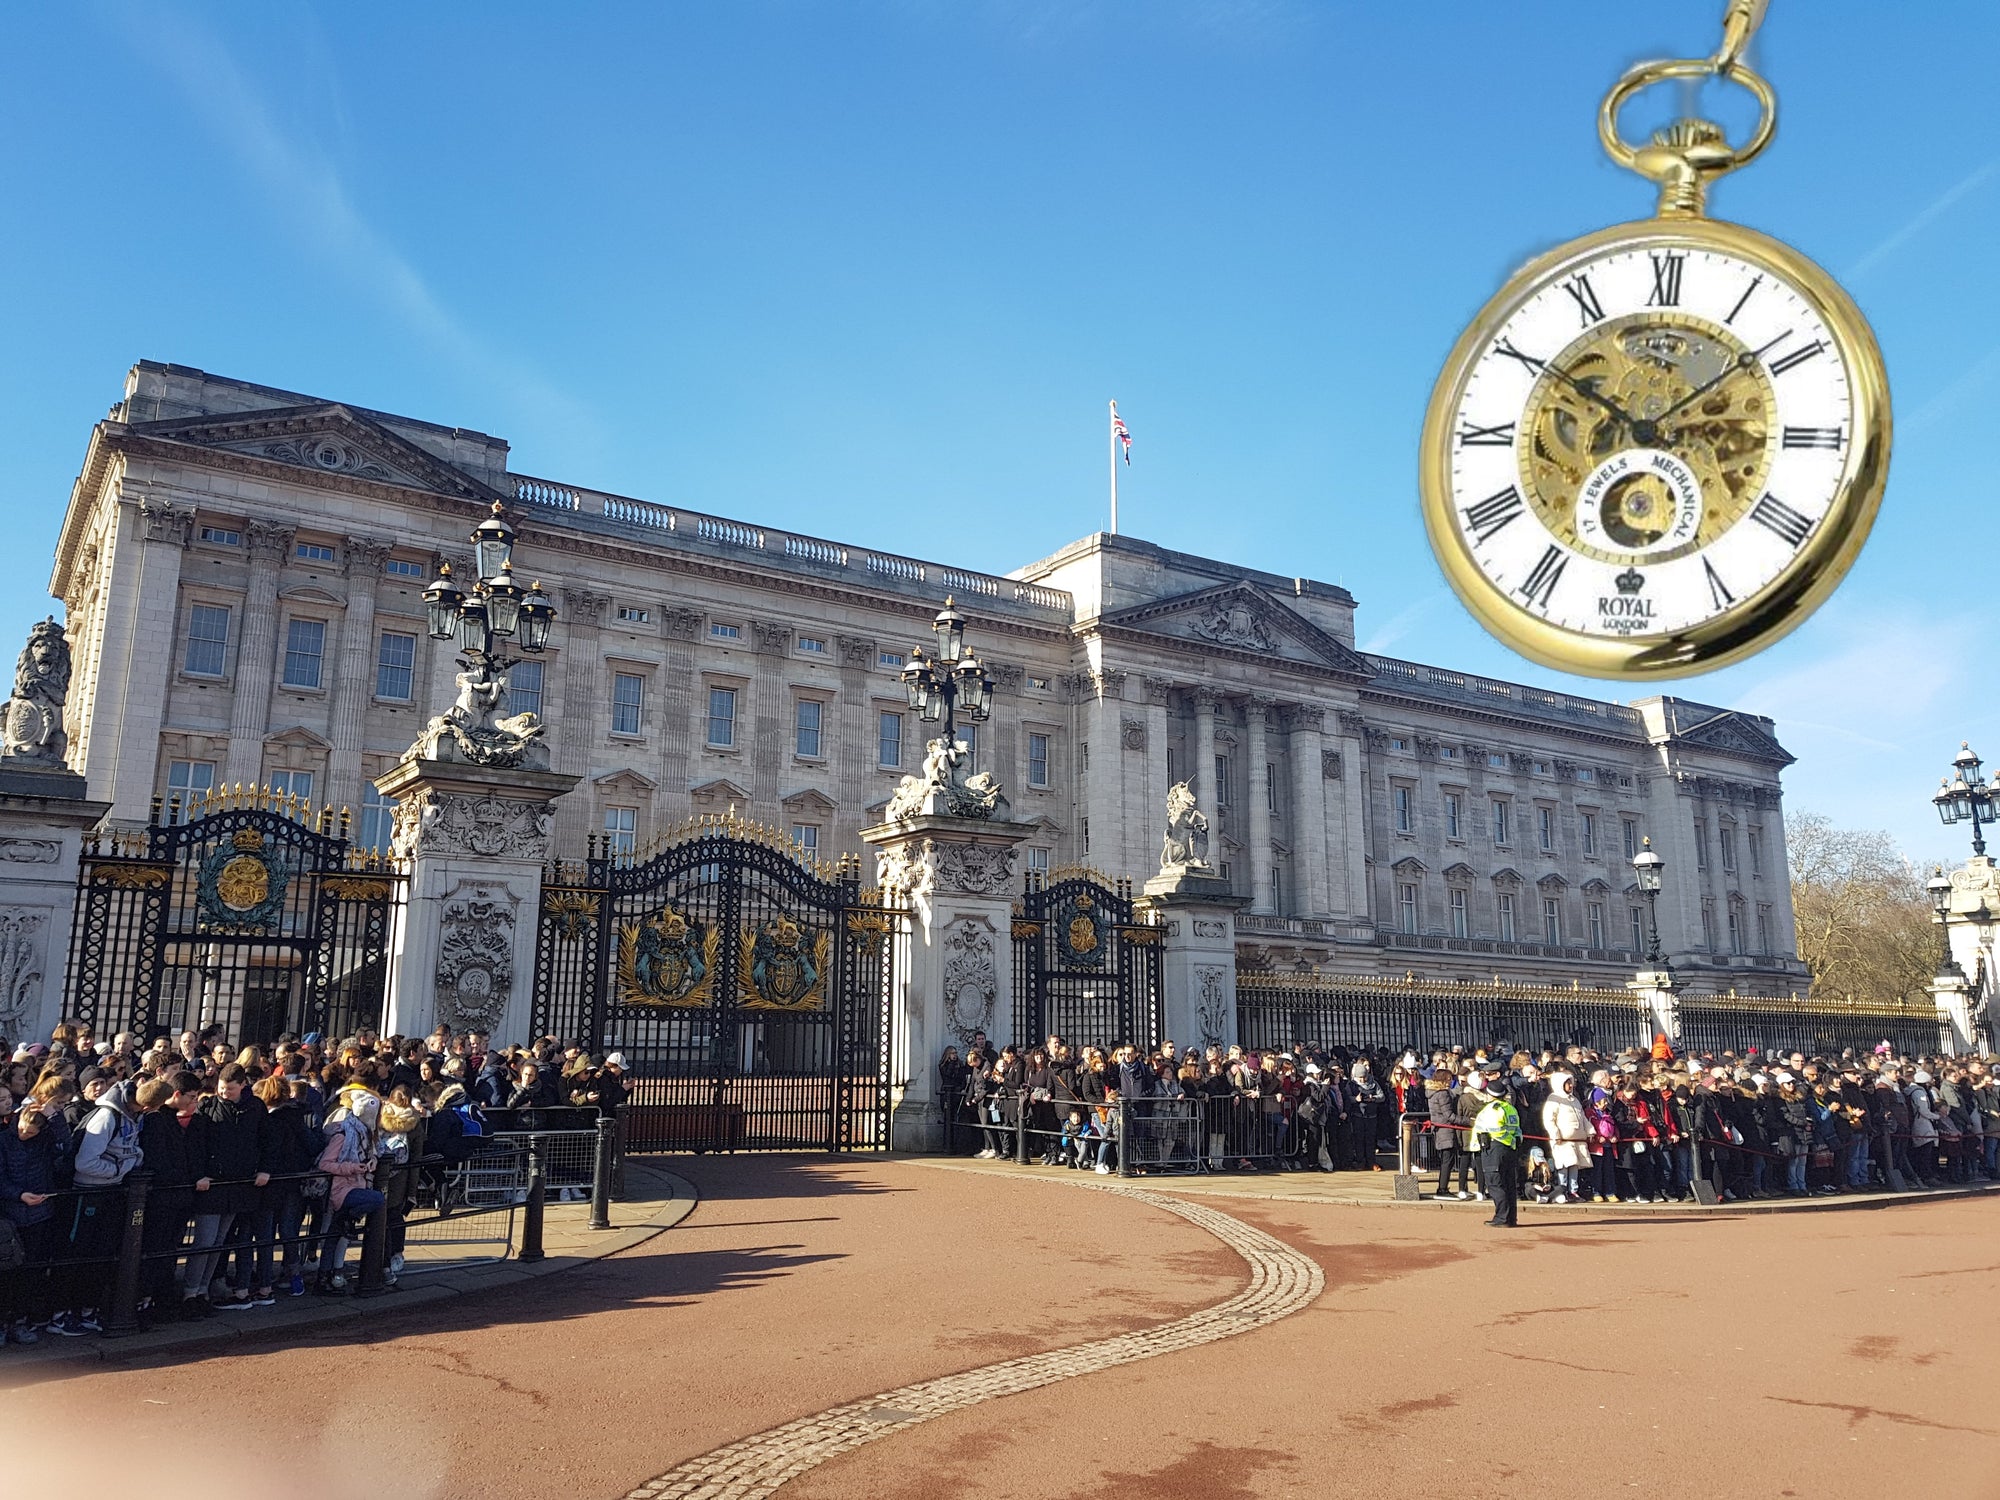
(1326, 1011)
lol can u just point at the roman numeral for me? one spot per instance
(1717, 589)
(1586, 299)
(1472, 435)
(1506, 347)
(1492, 514)
(1667, 280)
(1814, 437)
(1774, 514)
(1797, 357)
(1541, 585)
(1755, 282)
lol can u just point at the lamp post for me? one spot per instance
(1939, 886)
(496, 609)
(1965, 796)
(1647, 866)
(950, 683)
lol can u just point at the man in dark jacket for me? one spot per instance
(173, 1140)
(32, 1145)
(236, 1173)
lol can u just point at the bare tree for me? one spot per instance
(1865, 926)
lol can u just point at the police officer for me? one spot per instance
(1496, 1136)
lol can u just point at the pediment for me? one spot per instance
(1726, 730)
(1596, 887)
(720, 789)
(325, 437)
(1553, 882)
(1239, 617)
(625, 779)
(298, 734)
(1044, 824)
(1409, 864)
(305, 593)
(811, 800)
(1458, 872)
(1507, 876)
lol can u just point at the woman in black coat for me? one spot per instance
(289, 1148)
(952, 1074)
(32, 1145)
(173, 1147)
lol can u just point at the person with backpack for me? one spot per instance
(349, 1156)
(106, 1152)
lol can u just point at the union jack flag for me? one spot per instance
(1121, 432)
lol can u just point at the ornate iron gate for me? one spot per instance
(1086, 962)
(243, 909)
(747, 985)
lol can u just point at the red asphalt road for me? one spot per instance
(1827, 1354)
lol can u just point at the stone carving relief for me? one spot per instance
(1209, 928)
(1007, 675)
(1427, 747)
(1350, 722)
(23, 937)
(1329, 764)
(471, 732)
(1212, 1005)
(1108, 684)
(1522, 763)
(1232, 622)
(332, 456)
(268, 541)
(679, 624)
(494, 827)
(773, 639)
(903, 872)
(475, 964)
(365, 555)
(971, 978)
(31, 725)
(163, 521)
(972, 869)
(1159, 690)
(29, 851)
(584, 608)
(1186, 844)
(942, 787)
(855, 651)
(1132, 734)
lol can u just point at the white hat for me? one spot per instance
(1922, 1076)
(615, 1060)
(1782, 1076)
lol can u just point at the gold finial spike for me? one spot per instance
(345, 819)
(156, 810)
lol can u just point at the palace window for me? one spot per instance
(1458, 914)
(1727, 836)
(1708, 926)
(1406, 906)
(1763, 929)
(889, 740)
(723, 632)
(1552, 920)
(805, 724)
(1631, 837)
(1454, 809)
(1496, 761)
(628, 701)
(524, 688)
(1221, 781)
(1735, 930)
(208, 640)
(632, 614)
(1593, 915)
(291, 784)
(378, 820)
(621, 829)
(1502, 810)
(1756, 839)
(1587, 824)
(1507, 916)
(402, 567)
(315, 552)
(1638, 929)
(812, 645)
(1700, 844)
(1405, 817)
(806, 836)
(222, 536)
(305, 653)
(1038, 861)
(1271, 786)
(722, 718)
(968, 736)
(395, 666)
(1545, 819)
(1040, 685)
(1038, 760)
(187, 780)
(888, 658)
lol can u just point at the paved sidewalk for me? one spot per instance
(1378, 1190)
(656, 1200)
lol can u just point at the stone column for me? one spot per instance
(139, 656)
(256, 653)
(353, 685)
(1308, 807)
(1159, 692)
(1198, 958)
(472, 840)
(1202, 773)
(1952, 993)
(1654, 990)
(1347, 826)
(583, 707)
(43, 818)
(953, 959)
(1256, 713)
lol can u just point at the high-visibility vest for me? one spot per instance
(1498, 1121)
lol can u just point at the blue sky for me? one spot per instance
(871, 270)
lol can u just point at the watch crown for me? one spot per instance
(1682, 134)
(1630, 581)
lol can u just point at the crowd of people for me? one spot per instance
(1634, 1126)
(260, 1161)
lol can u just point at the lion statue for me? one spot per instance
(1186, 846)
(32, 726)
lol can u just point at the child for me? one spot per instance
(1076, 1142)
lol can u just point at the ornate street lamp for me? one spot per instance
(1647, 867)
(1939, 886)
(1965, 796)
(497, 609)
(952, 683)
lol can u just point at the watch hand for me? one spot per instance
(1742, 362)
(1585, 391)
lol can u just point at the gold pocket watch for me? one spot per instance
(1660, 446)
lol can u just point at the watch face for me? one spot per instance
(1647, 438)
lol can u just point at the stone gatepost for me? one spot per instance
(1654, 990)
(1952, 992)
(472, 840)
(44, 814)
(954, 956)
(1198, 957)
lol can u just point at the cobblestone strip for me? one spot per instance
(1282, 1281)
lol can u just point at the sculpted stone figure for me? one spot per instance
(943, 787)
(1186, 846)
(32, 727)
(470, 732)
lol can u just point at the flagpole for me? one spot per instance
(1112, 427)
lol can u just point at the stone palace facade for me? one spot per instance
(243, 567)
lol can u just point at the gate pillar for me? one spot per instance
(1198, 957)
(957, 877)
(43, 817)
(472, 840)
